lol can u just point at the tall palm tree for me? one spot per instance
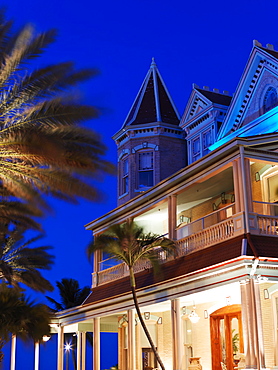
(43, 150)
(20, 263)
(71, 296)
(21, 317)
(129, 244)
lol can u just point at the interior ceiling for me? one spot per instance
(196, 194)
(210, 188)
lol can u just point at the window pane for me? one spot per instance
(196, 154)
(145, 178)
(145, 161)
(207, 141)
(125, 184)
(125, 167)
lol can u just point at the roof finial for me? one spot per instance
(153, 62)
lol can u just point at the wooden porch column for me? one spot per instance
(239, 206)
(245, 187)
(60, 354)
(131, 339)
(252, 324)
(172, 216)
(83, 353)
(13, 348)
(37, 355)
(96, 348)
(78, 350)
(176, 334)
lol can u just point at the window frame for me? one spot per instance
(146, 170)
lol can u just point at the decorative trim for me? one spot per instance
(145, 145)
(123, 152)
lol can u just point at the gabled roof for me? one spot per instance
(262, 60)
(201, 99)
(216, 97)
(153, 102)
(270, 51)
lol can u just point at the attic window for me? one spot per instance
(270, 99)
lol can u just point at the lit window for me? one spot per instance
(145, 175)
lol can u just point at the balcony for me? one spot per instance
(214, 228)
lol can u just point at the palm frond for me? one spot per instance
(19, 264)
(128, 243)
(36, 108)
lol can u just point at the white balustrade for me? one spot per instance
(200, 234)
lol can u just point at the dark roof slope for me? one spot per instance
(153, 102)
(216, 97)
(274, 53)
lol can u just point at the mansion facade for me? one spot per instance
(209, 181)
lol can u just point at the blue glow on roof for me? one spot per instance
(265, 124)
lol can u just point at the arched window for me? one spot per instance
(270, 99)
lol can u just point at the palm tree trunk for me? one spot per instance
(133, 289)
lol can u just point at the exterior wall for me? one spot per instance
(169, 157)
(203, 209)
(172, 153)
(166, 353)
(254, 109)
(256, 185)
(268, 327)
(201, 338)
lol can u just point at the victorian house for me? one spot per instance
(209, 180)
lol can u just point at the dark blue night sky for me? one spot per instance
(202, 42)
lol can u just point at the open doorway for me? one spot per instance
(226, 337)
(148, 359)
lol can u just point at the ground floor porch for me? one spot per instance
(223, 317)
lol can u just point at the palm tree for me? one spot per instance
(71, 296)
(17, 214)
(129, 244)
(70, 293)
(43, 149)
(21, 317)
(20, 263)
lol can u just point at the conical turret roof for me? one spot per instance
(153, 102)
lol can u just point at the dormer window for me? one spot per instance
(270, 99)
(196, 149)
(207, 141)
(145, 166)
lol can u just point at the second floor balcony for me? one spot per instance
(221, 202)
(201, 234)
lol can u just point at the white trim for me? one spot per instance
(123, 153)
(145, 145)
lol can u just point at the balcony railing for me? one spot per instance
(202, 239)
(203, 233)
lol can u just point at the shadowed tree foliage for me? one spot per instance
(129, 243)
(21, 317)
(70, 293)
(43, 149)
(71, 296)
(20, 263)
